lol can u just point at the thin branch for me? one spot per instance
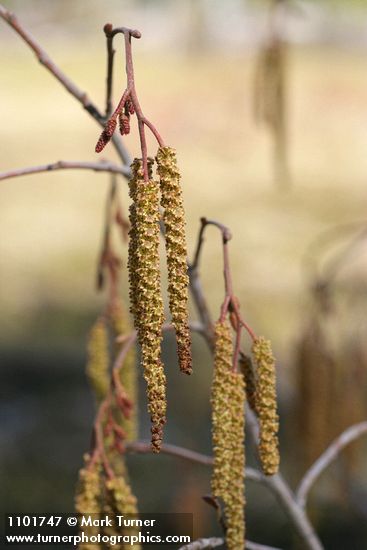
(230, 304)
(109, 78)
(201, 544)
(144, 447)
(214, 542)
(101, 166)
(64, 80)
(331, 453)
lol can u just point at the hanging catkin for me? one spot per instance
(128, 373)
(176, 249)
(98, 359)
(227, 399)
(133, 267)
(235, 505)
(266, 406)
(145, 291)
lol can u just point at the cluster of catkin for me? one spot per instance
(100, 495)
(230, 388)
(147, 196)
(228, 400)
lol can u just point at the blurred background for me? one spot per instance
(298, 251)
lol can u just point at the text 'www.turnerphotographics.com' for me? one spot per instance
(73, 529)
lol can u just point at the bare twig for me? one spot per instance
(255, 546)
(331, 453)
(144, 447)
(230, 304)
(101, 166)
(201, 544)
(110, 57)
(214, 542)
(64, 80)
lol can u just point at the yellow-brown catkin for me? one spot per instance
(227, 399)
(235, 502)
(136, 175)
(122, 501)
(128, 372)
(145, 289)
(176, 249)
(87, 498)
(98, 359)
(266, 406)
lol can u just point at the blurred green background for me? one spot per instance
(195, 68)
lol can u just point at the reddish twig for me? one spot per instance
(230, 304)
(110, 57)
(101, 166)
(331, 453)
(129, 103)
(99, 450)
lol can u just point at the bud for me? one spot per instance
(124, 123)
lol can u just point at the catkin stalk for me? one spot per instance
(176, 250)
(266, 406)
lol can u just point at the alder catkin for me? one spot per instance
(176, 249)
(235, 502)
(98, 359)
(128, 372)
(266, 406)
(145, 293)
(227, 399)
(133, 265)
(221, 416)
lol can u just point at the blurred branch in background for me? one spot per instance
(331, 454)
